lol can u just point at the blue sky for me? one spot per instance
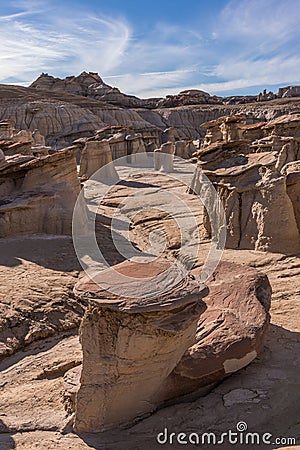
(154, 48)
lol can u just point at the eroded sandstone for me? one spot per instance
(251, 179)
(130, 345)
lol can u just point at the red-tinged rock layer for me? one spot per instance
(133, 358)
(131, 345)
(230, 332)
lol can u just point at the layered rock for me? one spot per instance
(131, 344)
(123, 141)
(289, 91)
(65, 110)
(38, 194)
(97, 155)
(90, 84)
(260, 212)
(292, 172)
(7, 129)
(24, 142)
(188, 97)
(287, 125)
(230, 332)
(224, 129)
(59, 122)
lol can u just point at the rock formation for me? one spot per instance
(95, 155)
(230, 332)
(287, 125)
(135, 144)
(164, 156)
(188, 97)
(224, 129)
(125, 340)
(68, 109)
(288, 91)
(130, 345)
(170, 135)
(260, 214)
(38, 138)
(90, 84)
(292, 172)
(185, 149)
(38, 194)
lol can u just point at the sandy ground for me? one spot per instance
(39, 344)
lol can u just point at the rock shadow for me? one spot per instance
(6, 440)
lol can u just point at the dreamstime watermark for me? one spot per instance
(239, 436)
(146, 197)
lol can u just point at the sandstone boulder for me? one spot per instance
(127, 344)
(230, 332)
(130, 345)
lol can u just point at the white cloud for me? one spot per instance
(150, 84)
(260, 44)
(36, 42)
(250, 43)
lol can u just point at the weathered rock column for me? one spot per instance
(131, 345)
(95, 155)
(164, 156)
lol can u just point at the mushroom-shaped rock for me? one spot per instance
(131, 345)
(170, 135)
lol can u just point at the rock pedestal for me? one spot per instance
(133, 349)
(131, 345)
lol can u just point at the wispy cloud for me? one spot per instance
(259, 44)
(248, 43)
(33, 40)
